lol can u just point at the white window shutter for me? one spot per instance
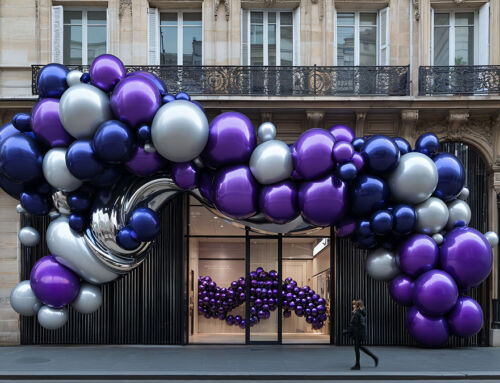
(107, 30)
(153, 36)
(244, 37)
(57, 34)
(431, 48)
(335, 29)
(384, 37)
(484, 35)
(296, 36)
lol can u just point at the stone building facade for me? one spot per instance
(383, 53)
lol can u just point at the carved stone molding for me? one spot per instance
(360, 123)
(314, 117)
(456, 119)
(416, 9)
(409, 119)
(226, 8)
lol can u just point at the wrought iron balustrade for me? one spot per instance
(274, 80)
(459, 80)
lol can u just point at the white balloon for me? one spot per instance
(464, 194)
(51, 318)
(381, 265)
(57, 173)
(23, 300)
(20, 209)
(73, 77)
(29, 236)
(271, 162)
(88, 300)
(266, 131)
(492, 238)
(432, 216)
(438, 238)
(459, 211)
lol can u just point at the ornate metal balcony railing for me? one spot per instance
(275, 81)
(459, 80)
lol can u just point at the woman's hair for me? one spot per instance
(358, 305)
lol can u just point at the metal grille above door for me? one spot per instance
(145, 306)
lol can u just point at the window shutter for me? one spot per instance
(431, 47)
(335, 29)
(57, 34)
(384, 37)
(107, 30)
(484, 35)
(296, 36)
(153, 36)
(244, 37)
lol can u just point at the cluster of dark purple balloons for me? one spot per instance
(265, 293)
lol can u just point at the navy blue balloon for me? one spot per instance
(22, 121)
(367, 242)
(451, 176)
(35, 203)
(145, 223)
(144, 134)
(85, 78)
(77, 222)
(363, 228)
(13, 189)
(369, 193)
(79, 202)
(127, 238)
(21, 159)
(44, 188)
(108, 177)
(82, 161)
(52, 81)
(403, 145)
(113, 142)
(382, 222)
(167, 98)
(358, 143)
(405, 219)
(183, 96)
(198, 105)
(7, 131)
(347, 171)
(381, 154)
(427, 143)
(388, 242)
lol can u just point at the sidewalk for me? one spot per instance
(241, 363)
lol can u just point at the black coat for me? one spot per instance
(357, 325)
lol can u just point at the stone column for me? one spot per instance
(494, 32)
(314, 118)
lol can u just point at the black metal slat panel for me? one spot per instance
(386, 318)
(143, 307)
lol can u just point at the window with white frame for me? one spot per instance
(362, 38)
(78, 35)
(454, 38)
(180, 38)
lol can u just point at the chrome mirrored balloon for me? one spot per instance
(73, 77)
(271, 162)
(88, 300)
(492, 238)
(179, 131)
(51, 318)
(459, 213)
(381, 265)
(23, 300)
(464, 193)
(57, 173)
(438, 238)
(266, 131)
(432, 216)
(60, 201)
(29, 236)
(415, 178)
(82, 109)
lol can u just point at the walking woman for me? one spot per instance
(357, 331)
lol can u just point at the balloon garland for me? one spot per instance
(100, 150)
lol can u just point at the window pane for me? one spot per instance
(441, 19)
(191, 46)
(72, 45)
(345, 19)
(96, 42)
(345, 46)
(96, 17)
(271, 17)
(168, 45)
(367, 45)
(244, 38)
(464, 19)
(73, 17)
(168, 19)
(257, 44)
(192, 19)
(286, 18)
(383, 28)
(271, 44)
(441, 46)
(286, 41)
(464, 45)
(257, 17)
(368, 19)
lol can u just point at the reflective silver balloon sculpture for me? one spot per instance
(271, 162)
(60, 201)
(29, 236)
(432, 216)
(57, 173)
(381, 265)
(88, 300)
(73, 77)
(459, 213)
(23, 300)
(51, 318)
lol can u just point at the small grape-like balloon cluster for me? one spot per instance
(265, 294)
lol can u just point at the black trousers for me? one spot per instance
(358, 346)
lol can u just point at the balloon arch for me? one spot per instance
(103, 151)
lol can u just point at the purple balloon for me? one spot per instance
(418, 254)
(346, 227)
(466, 255)
(428, 331)
(184, 175)
(312, 154)
(343, 151)
(466, 318)
(144, 163)
(106, 71)
(135, 101)
(401, 290)
(46, 124)
(205, 184)
(435, 292)
(358, 161)
(236, 192)
(342, 133)
(52, 283)
(323, 202)
(231, 140)
(278, 202)
(162, 88)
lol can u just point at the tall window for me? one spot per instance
(267, 38)
(180, 38)
(454, 35)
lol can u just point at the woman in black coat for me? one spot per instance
(357, 331)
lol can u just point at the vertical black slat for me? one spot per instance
(280, 273)
(247, 287)
(331, 288)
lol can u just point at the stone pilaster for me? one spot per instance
(360, 123)
(408, 128)
(314, 118)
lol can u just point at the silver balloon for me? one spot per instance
(464, 194)
(82, 109)
(459, 211)
(198, 163)
(73, 77)
(20, 209)
(381, 265)
(88, 300)
(51, 318)
(56, 172)
(70, 249)
(29, 236)
(179, 131)
(53, 214)
(60, 201)
(23, 300)
(149, 148)
(267, 131)
(271, 162)
(438, 238)
(432, 216)
(492, 238)
(414, 179)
